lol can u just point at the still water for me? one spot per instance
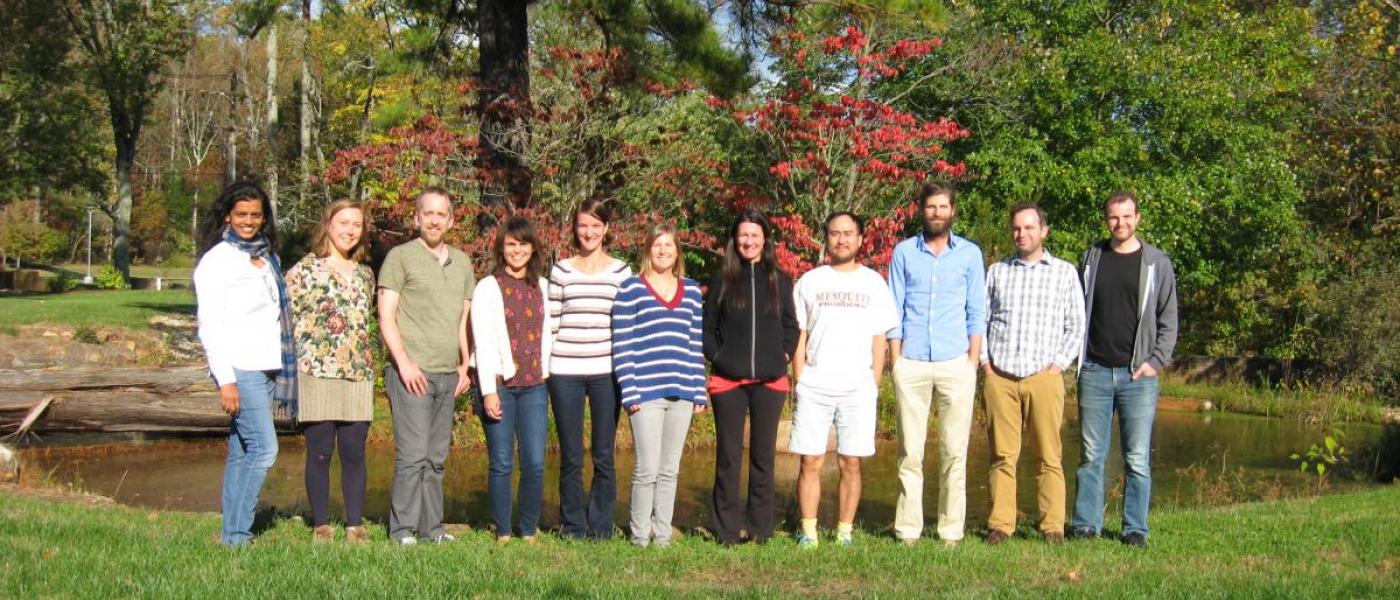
(1250, 452)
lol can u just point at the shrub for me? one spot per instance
(111, 279)
(62, 283)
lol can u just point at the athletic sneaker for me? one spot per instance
(805, 542)
(443, 538)
(408, 540)
(845, 539)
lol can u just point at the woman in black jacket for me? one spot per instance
(750, 333)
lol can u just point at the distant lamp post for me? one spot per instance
(87, 279)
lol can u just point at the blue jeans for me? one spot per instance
(593, 517)
(1101, 391)
(524, 417)
(252, 448)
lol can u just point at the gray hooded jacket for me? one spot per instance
(1157, 320)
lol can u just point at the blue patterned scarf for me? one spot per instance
(286, 390)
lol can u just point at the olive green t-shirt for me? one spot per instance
(430, 302)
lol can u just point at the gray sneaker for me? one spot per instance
(443, 538)
(407, 540)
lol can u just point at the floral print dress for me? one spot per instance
(331, 312)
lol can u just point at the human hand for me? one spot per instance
(413, 379)
(699, 408)
(1054, 369)
(632, 410)
(228, 398)
(464, 381)
(492, 405)
(1145, 370)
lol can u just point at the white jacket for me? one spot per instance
(490, 345)
(240, 315)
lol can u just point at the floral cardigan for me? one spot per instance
(331, 313)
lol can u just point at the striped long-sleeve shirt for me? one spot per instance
(580, 310)
(1035, 315)
(657, 344)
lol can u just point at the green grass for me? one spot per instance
(1309, 405)
(127, 308)
(1333, 546)
(182, 271)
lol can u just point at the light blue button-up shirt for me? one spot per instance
(941, 298)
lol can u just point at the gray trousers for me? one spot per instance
(422, 435)
(659, 429)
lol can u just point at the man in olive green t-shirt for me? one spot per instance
(425, 291)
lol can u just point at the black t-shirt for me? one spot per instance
(1114, 320)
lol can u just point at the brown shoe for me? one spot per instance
(356, 535)
(997, 536)
(323, 533)
(1054, 537)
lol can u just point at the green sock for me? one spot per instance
(809, 527)
(844, 529)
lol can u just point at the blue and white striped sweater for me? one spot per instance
(657, 350)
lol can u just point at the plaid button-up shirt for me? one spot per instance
(1035, 315)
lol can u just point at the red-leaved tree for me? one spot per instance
(828, 138)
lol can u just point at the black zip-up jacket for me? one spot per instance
(750, 342)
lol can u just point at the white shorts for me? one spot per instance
(853, 413)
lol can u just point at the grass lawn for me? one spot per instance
(1324, 407)
(180, 272)
(1334, 546)
(124, 308)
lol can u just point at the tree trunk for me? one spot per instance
(304, 156)
(272, 116)
(126, 129)
(231, 140)
(504, 105)
(180, 399)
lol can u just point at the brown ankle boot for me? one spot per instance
(323, 533)
(356, 535)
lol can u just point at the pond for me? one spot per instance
(1199, 458)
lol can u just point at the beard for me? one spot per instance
(939, 227)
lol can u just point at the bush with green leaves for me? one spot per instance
(109, 278)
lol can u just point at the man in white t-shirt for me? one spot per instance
(844, 311)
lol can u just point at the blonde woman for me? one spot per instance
(331, 290)
(659, 357)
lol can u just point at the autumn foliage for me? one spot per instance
(822, 139)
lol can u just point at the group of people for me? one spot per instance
(589, 333)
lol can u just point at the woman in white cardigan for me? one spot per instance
(245, 325)
(512, 341)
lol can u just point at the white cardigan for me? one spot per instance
(490, 345)
(240, 315)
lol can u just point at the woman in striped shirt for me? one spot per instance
(658, 354)
(581, 291)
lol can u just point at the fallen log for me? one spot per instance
(150, 400)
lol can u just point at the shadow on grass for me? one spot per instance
(169, 309)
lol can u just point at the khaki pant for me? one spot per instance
(917, 385)
(1037, 403)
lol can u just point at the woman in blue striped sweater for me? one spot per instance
(659, 361)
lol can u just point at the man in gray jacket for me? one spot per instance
(1130, 302)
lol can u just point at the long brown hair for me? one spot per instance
(321, 239)
(523, 230)
(733, 266)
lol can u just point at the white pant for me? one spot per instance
(659, 429)
(854, 415)
(917, 384)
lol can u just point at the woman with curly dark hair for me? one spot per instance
(245, 325)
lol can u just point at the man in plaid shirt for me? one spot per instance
(1035, 323)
